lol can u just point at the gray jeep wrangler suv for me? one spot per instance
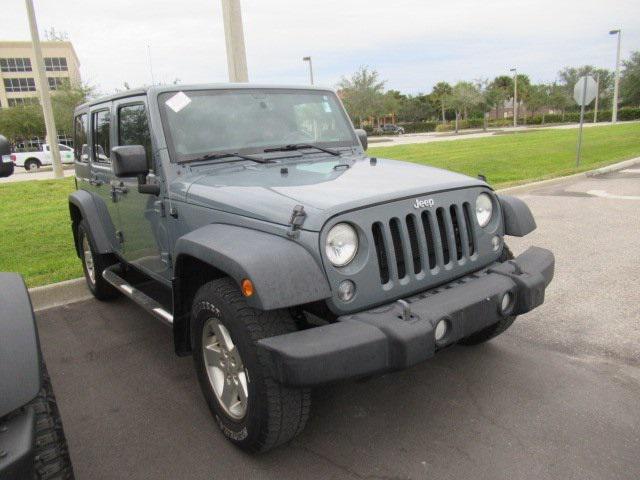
(250, 219)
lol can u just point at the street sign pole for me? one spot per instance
(595, 111)
(582, 102)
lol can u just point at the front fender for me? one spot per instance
(283, 273)
(96, 215)
(518, 219)
(19, 351)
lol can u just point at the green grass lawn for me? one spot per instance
(524, 156)
(36, 237)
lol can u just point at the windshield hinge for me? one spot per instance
(297, 219)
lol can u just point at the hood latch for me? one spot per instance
(298, 217)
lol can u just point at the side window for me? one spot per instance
(80, 147)
(100, 136)
(133, 128)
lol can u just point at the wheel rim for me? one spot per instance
(225, 369)
(88, 260)
(32, 167)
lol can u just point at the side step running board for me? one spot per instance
(112, 276)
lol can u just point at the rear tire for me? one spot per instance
(32, 165)
(51, 459)
(272, 414)
(497, 328)
(93, 264)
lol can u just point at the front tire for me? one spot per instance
(497, 328)
(255, 412)
(51, 459)
(93, 264)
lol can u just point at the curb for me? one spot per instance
(71, 291)
(554, 181)
(58, 294)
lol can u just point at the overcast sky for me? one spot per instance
(412, 43)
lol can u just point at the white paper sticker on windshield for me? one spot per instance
(178, 102)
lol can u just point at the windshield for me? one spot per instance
(250, 120)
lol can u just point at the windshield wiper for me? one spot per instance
(218, 156)
(301, 146)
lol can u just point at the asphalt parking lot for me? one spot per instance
(556, 397)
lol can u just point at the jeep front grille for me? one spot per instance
(424, 243)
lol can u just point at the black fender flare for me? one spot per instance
(91, 213)
(19, 345)
(283, 273)
(518, 219)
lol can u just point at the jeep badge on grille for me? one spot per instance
(423, 203)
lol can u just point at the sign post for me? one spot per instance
(583, 93)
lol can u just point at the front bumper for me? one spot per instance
(17, 442)
(402, 334)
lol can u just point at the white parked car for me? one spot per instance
(32, 161)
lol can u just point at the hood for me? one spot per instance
(324, 187)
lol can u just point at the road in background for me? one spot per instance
(555, 397)
(45, 173)
(429, 137)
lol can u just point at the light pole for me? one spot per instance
(595, 110)
(614, 113)
(234, 37)
(45, 97)
(308, 59)
(515, 96)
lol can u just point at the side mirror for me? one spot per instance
(5, 148)
(362, 136)
(129, 161)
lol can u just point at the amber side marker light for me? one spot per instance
(247, 287)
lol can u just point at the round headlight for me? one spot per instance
(342, 244)
(484, 209)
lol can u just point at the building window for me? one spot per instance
(55, 64)
(15, 64)
(56, 82)
(19, 84)
(20, 102)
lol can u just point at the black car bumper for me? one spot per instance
(17, 436)
(403, 333)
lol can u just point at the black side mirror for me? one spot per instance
(362, 136)
(129, 161)
(5, 148)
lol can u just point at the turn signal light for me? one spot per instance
(247, 287)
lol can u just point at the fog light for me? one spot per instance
(346, 290)
(505, 304)
(442, 327)
(495, 243)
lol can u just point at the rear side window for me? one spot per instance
(100, 136)
(133, 128)
(80, 147)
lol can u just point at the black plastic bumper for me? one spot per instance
(17, 446)
(402, 334)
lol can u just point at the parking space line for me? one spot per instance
(604, 194)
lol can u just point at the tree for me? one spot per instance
(569, 76)
(630, 80)
(464, 96)
(362, 94)
(441, 95)
(415, 108)
(501, 90)
(539, 97)
(559, 98)
(26, 121)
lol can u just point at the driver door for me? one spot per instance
(141, 217)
